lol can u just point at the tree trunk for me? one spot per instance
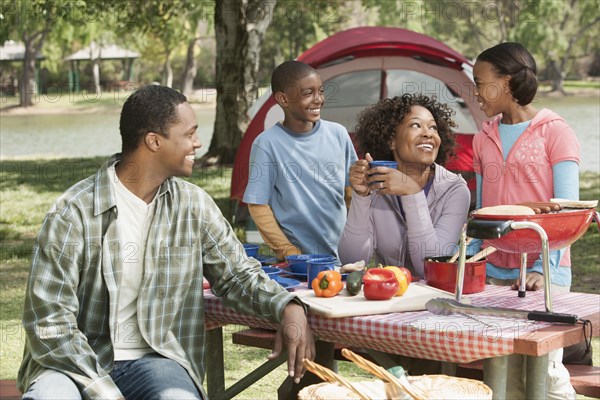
(557, 77)
(167, 78)
(96, 74)
(191, 67)
(33, 43)
(28, 85)
(240, 27)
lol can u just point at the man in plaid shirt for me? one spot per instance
(114, 305)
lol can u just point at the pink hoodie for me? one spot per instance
(526, 175)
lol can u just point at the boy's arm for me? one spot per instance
(270, 231)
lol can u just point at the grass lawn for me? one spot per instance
(28, 188)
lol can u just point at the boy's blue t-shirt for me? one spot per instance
(302, 177)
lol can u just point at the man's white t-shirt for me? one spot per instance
(133, 223)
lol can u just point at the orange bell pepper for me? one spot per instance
(327, 283)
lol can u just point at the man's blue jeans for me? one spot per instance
(151, 377)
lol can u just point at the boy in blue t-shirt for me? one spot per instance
(298, 177)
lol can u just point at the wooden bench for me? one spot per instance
(8, 390)
(265, 339)
(584, 378)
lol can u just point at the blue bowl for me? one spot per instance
(272, 272)
(251, 249)
(297, 262)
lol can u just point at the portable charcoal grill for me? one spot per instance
(524, 234)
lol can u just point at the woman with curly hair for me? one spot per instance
(417, 210)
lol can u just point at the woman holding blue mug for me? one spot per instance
(405, 214)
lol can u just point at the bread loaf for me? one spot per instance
(505, 210)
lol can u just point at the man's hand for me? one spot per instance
(295, 333)
(533, 281)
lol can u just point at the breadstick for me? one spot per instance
(382, 374)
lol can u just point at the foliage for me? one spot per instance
(164, 21)
(562, 31)
(295, 26)
(31, 22)
(550, 29)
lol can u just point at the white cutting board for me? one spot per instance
(344, 305)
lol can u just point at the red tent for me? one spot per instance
(358, 67)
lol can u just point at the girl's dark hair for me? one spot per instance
(377, 125)
(151, 108)
(514, 60)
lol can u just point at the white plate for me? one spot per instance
(565, 203)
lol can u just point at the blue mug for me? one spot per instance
(382, 163)
(316, 265)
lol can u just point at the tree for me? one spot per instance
(296, 26)
(163, 19)
(568, 27)
(554, 31)
(32, 21)
(190, 69)
(241, 31)
(196, 23)
(240, 27)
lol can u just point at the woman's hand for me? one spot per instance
(358, 176)
(391, 181)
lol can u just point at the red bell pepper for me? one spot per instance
(379, 284)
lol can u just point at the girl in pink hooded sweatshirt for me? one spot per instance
(523, 154)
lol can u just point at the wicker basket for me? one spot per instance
(435, 386)
(335, 391)
(390, 386)
(450, 387)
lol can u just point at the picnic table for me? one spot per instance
(454, 339)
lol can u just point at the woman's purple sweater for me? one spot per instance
(430, 228)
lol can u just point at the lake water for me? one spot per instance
(88, 135)
(75, 135)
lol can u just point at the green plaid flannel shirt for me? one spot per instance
(72, 294)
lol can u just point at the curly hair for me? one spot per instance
(151, 108)
(377, 125)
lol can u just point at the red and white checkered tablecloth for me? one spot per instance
(453, 338)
